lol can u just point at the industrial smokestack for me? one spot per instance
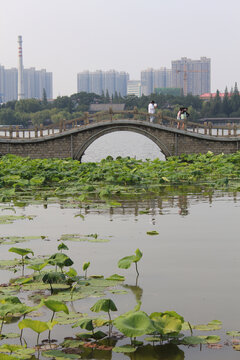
(20, 69)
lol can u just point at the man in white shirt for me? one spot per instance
(151, 109)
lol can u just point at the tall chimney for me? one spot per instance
(20, 69)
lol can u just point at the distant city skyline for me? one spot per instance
(67, 37)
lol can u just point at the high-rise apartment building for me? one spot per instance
(193, 76)
(152, 79)
(34, 81)
(103, 81)
(134, 88)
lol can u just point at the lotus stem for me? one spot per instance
(38, 339)
(190, 327)
(1, 325)
(110, 324)
(136, 269)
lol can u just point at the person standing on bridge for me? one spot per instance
(151, 109)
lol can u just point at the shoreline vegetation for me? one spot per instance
(111, 179)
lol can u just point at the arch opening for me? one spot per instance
(121, 143)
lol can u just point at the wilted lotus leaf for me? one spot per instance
(165, 323)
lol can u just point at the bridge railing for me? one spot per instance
(207, 128)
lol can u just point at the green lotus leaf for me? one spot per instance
(126, 262)
(138, 255)
(98, 335)
(212, 339)
(85, 323)
(54, 278)
(134, 324)
(38, 266)
(62, 246)
(174, 314)
(14, 309)
(8, 357)
(116, 277)
(58, 354)
(166, 324)
(35, 325)
(86, 265)
(104, 305)
(124, 349)
(71, 343)
(10, 348)
(233, 333)
(20, 251)
(211, 326)
(10, 299)
(51, 324)
(98, 322)
(56, 306)
(193, 340)
(65, 319)
(60, 260)
(71, 273)
(152, 338)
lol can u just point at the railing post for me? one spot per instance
(205, 127)
(135, 112)
(217, 131)
(86, 118)
(17, 131)
(235, 129)
(64, 125)
(210, 127)
(36, 131)
(41, 130)
(185, 124)
(229, 129)
(10, 132)
(60, 126)
(111, 113)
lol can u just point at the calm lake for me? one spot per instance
(192, 266)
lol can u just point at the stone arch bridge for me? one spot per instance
(71, 138)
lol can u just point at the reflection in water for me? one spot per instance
(159, 205)
(161, 352)
(136, 290)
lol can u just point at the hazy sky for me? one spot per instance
(69, 36)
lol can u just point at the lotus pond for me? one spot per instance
(121, 259)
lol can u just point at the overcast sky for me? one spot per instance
(69, 36)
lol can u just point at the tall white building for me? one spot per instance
(155, 78)
(193, 76)
(35, 81)
(102, 81)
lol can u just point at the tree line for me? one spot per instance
(33, 111)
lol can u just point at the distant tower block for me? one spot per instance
(20, 69)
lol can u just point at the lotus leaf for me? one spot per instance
(35, 325)
(86, 265)
(56, 306)
(233, 333)
(85, 323)
(212, 339)
(153, 232)
(20, 251)
(104, 305)
(127, 261)
(58, 354)
(71, 343)
(65, 319)
(165, 323)
(124, 349)
(193, 340)
(134, 324)
(211, 326)
(62, 246)
(60, 260)
(116, 277)
(53, 278)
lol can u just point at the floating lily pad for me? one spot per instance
(211, 326)
(152, 232)
(233, 333)
(58, 354)
(124, 349)
(212, 339)
(71, 318)
(7, 240)
(193, 340)
(83, 238)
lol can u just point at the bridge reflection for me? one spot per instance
(158, 205)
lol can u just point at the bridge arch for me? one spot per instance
(83, 147)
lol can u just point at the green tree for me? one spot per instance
(28, 105)
(216, 104)
(226, 105)
(235, 99)
(107, 97)
(44, 98)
